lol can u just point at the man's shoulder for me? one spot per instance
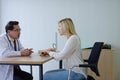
(2, 36)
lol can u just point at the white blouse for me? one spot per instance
(71, 55)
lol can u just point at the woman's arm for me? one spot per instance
(68, 49)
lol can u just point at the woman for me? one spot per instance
(70, 54)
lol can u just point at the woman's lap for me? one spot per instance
(62, 74)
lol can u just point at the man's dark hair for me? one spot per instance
(10, 25)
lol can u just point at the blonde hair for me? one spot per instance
(68, 25)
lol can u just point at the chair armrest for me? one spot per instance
(86, 65)
(93, 67)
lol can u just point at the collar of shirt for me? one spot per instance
(12, 39)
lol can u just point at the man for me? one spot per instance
(11, 46)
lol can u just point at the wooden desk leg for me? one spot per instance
(40, 72)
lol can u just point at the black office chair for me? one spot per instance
(92, 61)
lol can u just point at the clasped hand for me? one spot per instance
(26, 52)
(46, 52)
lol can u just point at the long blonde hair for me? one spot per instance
(68, 25)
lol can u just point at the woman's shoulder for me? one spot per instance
(74, 36)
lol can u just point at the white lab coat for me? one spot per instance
(6, 50)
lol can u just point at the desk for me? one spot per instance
(34, 59)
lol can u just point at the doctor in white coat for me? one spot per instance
(8, 48)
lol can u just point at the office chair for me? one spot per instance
(92, 61)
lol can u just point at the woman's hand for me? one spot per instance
(50, 49)
(46, 52)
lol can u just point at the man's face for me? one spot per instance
(15, 33)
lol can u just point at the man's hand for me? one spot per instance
(26, 52)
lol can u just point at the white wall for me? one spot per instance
(95, 20)
(0, 17)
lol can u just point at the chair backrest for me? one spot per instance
(94, 57)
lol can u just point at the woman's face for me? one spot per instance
(61, 29)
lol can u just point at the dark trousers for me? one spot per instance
(21, 75)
